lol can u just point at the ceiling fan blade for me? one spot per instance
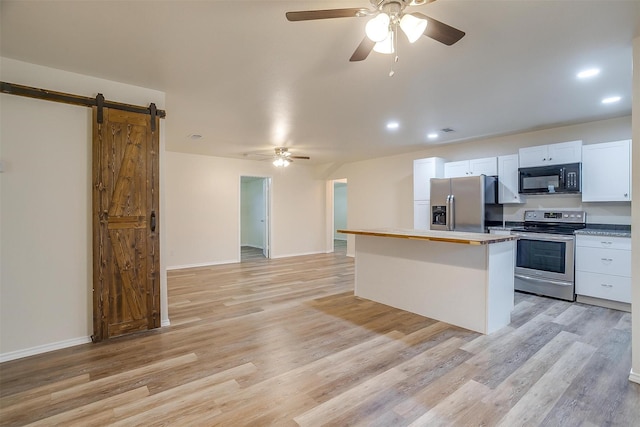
(309, 15)
(440, 31)
(300, 157)
(363, 50)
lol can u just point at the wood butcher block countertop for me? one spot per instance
(434, 235)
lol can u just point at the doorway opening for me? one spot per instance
(339, 200)
(255, 213)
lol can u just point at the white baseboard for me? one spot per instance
(615, 305)
(634, 377)
(202, 264)
(19, 354)
(165, 322)
(299, 254)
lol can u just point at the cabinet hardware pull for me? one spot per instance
(606, 285)
(153, 221)
(606, 243)
(607, 259)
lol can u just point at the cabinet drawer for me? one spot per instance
(596, 285)
(604, 242)
(605, 261)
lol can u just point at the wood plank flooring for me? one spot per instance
(284, 342)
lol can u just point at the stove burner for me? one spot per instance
(553, 222)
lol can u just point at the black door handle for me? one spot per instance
(153, 221)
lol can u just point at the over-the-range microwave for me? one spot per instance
(552, 179)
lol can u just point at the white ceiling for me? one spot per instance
(238, 73)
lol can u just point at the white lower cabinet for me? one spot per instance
(603, 267)
(421, 215)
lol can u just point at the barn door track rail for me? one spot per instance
(85, 101)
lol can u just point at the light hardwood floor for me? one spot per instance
(284, 342)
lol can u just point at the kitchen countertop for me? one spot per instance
(602, 232)
(500, 228)
(434, 235)
(608, 230)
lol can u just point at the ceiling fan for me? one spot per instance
(382, 29)
(281, 157)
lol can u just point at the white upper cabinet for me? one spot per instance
(423, 171)
(552, 154)
(508, 180)
(486, 166)
(606, 172)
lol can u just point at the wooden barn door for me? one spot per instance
(126, 250)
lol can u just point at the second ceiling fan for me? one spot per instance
(382, 29)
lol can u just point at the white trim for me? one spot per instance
(615, 305)
(634, 377)
(19, 354)
(302, 254)
(202, 264)
(165, 322)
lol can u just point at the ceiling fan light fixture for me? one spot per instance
(378, 27)
(413, 27)
(281, 162)
(386, 45)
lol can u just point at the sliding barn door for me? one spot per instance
(126, 251)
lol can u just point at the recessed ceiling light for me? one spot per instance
(432, 135)
(611, 99)
(393, 125)
(591, 72)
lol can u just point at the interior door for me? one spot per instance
(126, 247)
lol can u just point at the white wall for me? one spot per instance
(203, 209)
(252, 212)
(45, 209)
(635, 227)
(339, 209)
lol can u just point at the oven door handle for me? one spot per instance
(540, 279)
(543, 236)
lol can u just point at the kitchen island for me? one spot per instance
(465, 279)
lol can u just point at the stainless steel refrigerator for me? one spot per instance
(465, 204)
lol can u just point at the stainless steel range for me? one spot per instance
(545, 258)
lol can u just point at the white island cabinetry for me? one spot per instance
(465, 279)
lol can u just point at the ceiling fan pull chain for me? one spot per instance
(394, 30)
(394, 49)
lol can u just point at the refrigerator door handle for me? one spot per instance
(451, 210)
(446, 212)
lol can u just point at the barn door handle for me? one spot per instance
(153, 221)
